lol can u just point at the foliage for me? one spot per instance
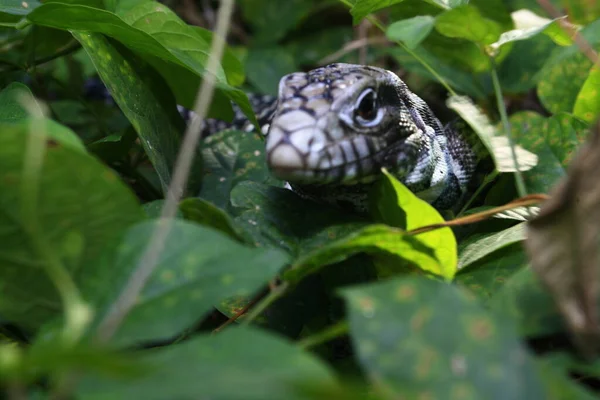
(335, 304)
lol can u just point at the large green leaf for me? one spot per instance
(239, 364)
(524, 299)
(197, 268)
(395, 205)
(81, 206)
(487, 275)
(418, 338)
(231, 157)
(19, 7)
(374, 239)
(362, 8)
(278, 218)
(554, 140)
(166, 47)
(267, 65)
(13, 99)
(466, 22)
(273, 20)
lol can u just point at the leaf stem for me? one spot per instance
(428, 67)
(269, 299)
(521, 189)
(488, 179)
(332, 332)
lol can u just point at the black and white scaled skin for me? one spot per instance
(335, 127)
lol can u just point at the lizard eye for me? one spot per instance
(366, 110)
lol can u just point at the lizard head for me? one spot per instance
(341, 124)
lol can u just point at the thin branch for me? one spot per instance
(526, 201)
(185, 158)
(579, 40)
(351, 46)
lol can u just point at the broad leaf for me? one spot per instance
(197, 268)
(466, 22)
(587, 104)
(416, 337)
(80, 207)
(374, 239)
(489, 244)
(395, 205)
(220, 367)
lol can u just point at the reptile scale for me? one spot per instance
(331, 130)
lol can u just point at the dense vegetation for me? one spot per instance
(327, 304)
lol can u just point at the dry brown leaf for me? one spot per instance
(563, 243)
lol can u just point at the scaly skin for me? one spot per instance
(335, 127)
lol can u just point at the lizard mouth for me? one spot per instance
(357, 159)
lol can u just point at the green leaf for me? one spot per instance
(276, 217)
(419, 338)
(204, 213)
(524, 299)
(87, 19)
(587, 104)
(12, 100)
(553, 139)
(266, 66)
(466, 22)
(483, 247)
(373, 239)
(19, 7)
(497, 144)
(487, 275)
(137, 90)
(220, 367)
(394, 204)
(362, 8)
(411, 31)
(234, 70)
(562, 79)
(231, 157)
(81, 207)
(273, 20)
(529, 25)
(197, 268)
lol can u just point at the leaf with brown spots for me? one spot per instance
(419, 338)
(563, 245)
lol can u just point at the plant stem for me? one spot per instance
(488, 179)
(429, 68)
(333, 332)
(149, 259)
(521, 189)
(272, 297)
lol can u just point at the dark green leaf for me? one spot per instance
(553, 139)
(272, 20)
(81, 207)
(525, 300)
(231, 157)
(147, 104)
(421, 338)
(204, 213)
(266, 66)
(236, 364)
(197, 268)
(362, 8)
(19, 7)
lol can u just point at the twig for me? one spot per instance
(149, 259)
(243, 311)
(327, 335)
(579, 40)
(272, 297)
(361, 43)
(481, 216)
